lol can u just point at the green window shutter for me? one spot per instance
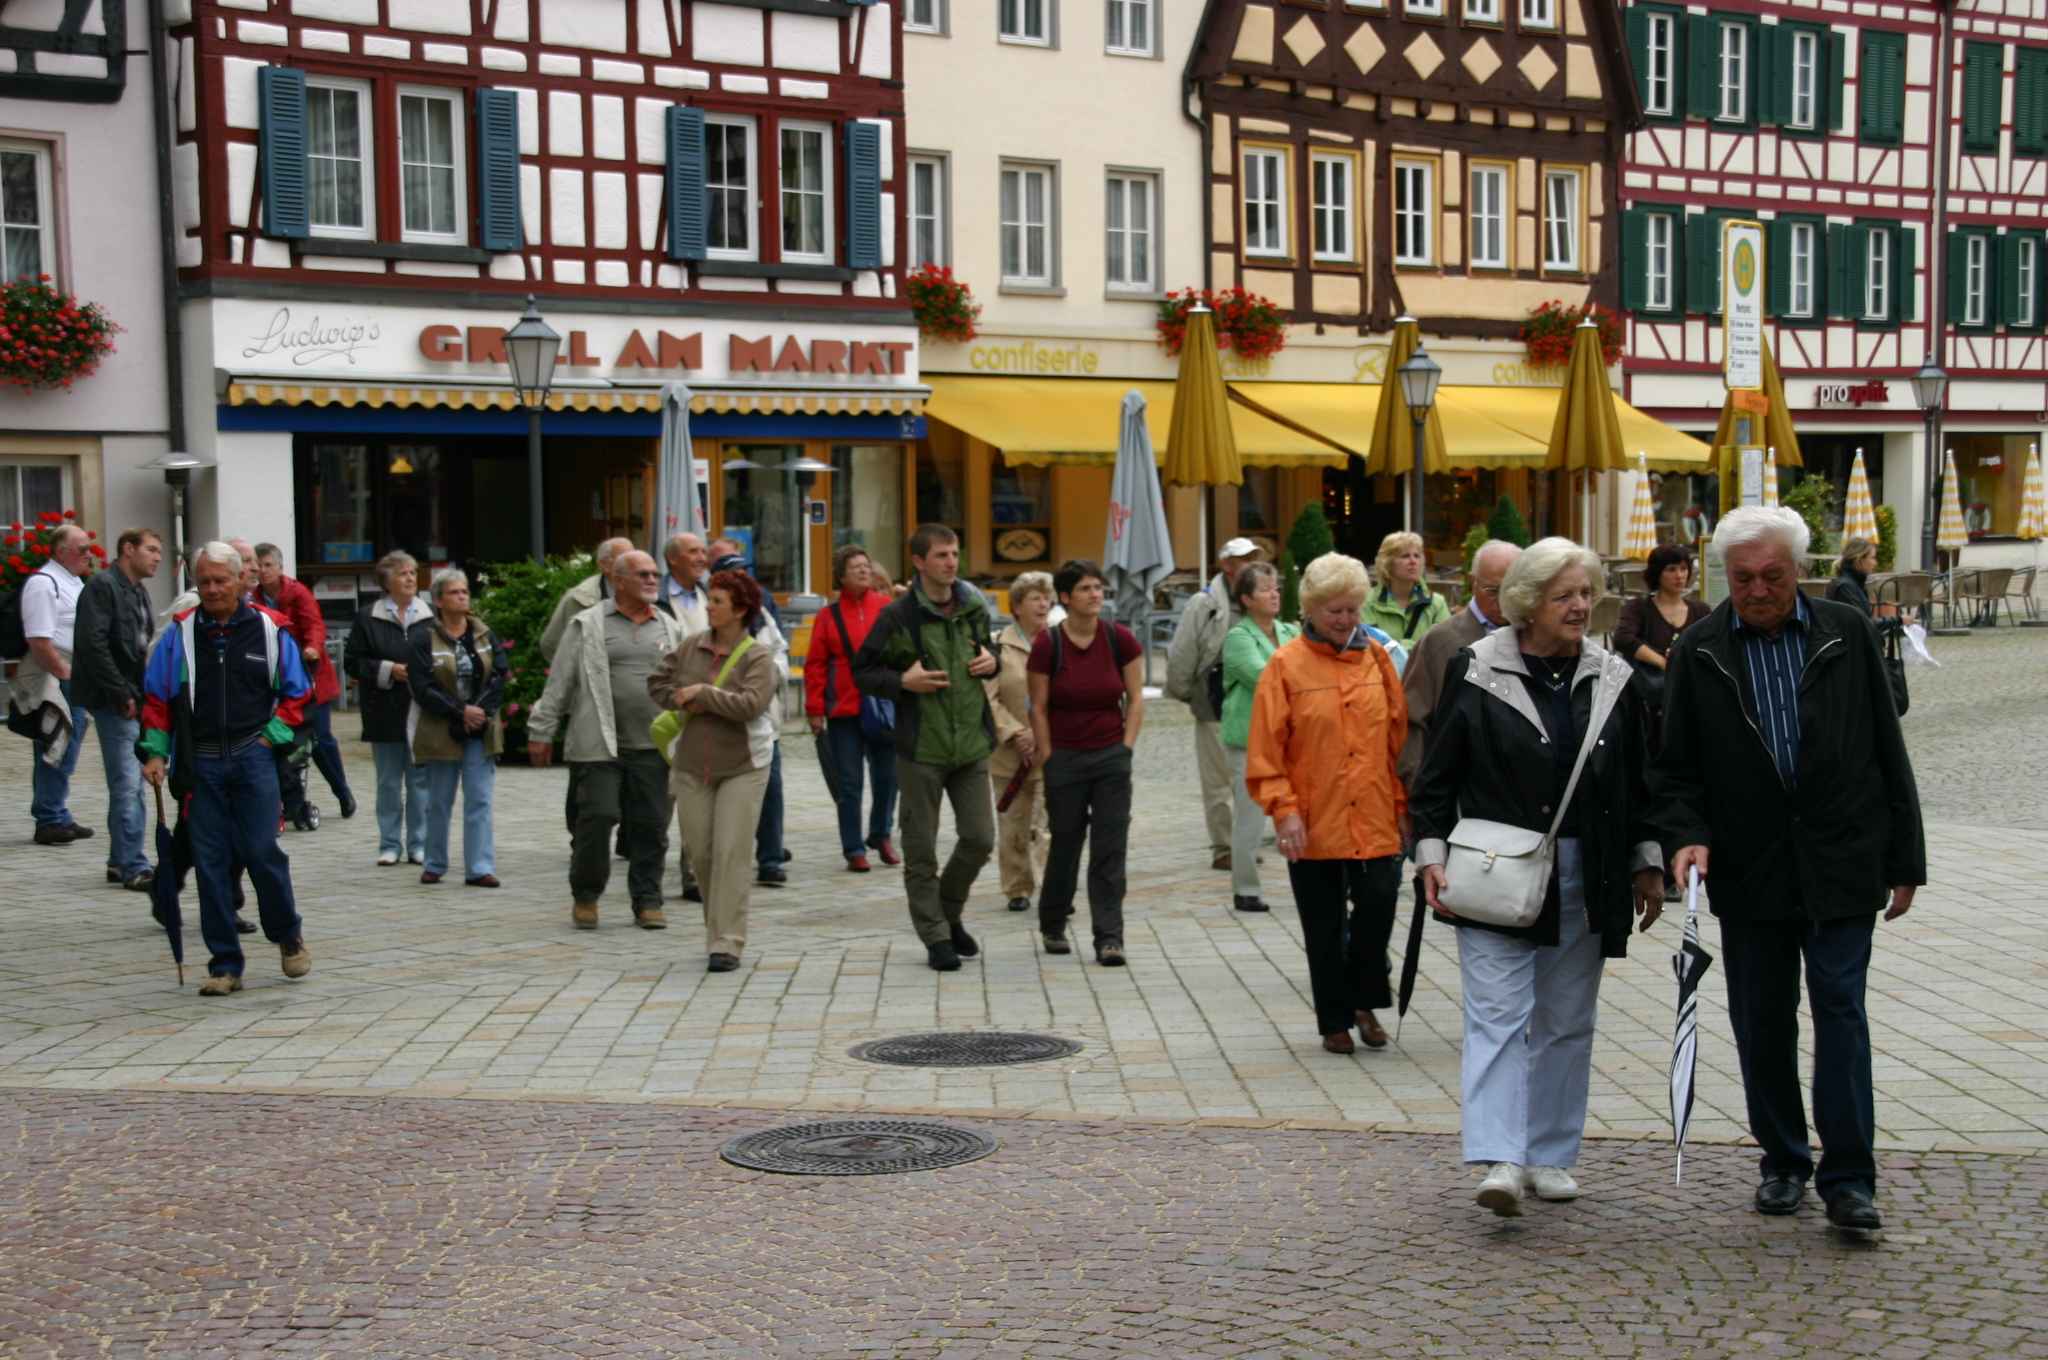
(497, 170)
(2030, 101)
(1703, 65)
(1856, 269)
(281, 97)
(1639, 51)
(1958, 272)
(1635, 259)
(686, 219)
(1777, 266)
(1983, 77)
(1881, 85)
(1768, 101)
(1703, 263)
(863, 196)
(1833, 79)
(1905, 297)
(2008, 278)
(1837, 276)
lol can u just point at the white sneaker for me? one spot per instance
(1501, 1191)
(1552, 1183)
(388, 857)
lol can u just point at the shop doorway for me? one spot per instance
(1361, 510)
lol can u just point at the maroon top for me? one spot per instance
(1084, 704)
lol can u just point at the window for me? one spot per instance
(1800, 269)
(1660, 272)
(927, 211)
(924, 16)
(1660, 62)
(1024, 21)
(1265, 202)
(1561, 220)
(1877, 274)
(1131, 224)
(1805, 93)
(431, 188)
(1026, 216)
(26, 245)
(1130, 32)
(1539, 13)
(1330, 178)
(1734, 106)
(1976, 280)
(1983, 95)
(1489, 209)
(1414, 212)
(341, 200)
(1482, 11)
(806, 194)
(28, 489)
(1427, 9)
(1881, 87)
(2026, 281)
(729, 188)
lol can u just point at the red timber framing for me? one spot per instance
(594, 80)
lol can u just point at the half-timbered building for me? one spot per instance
(368, 191)
(1453, 160)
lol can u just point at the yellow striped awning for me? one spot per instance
(723, 400)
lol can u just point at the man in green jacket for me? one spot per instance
(927, 654)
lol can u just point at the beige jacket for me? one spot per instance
(1423, 682)
(586, 593)
(717, 742)
(1009, 699)
(580, 687)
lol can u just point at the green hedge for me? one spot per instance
(516, 599)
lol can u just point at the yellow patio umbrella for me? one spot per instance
(1776, 432)
(2033, 499)
(1642, 520)
(1859, 516)
(1770, 476)
(1392, 453)
(1200, 447)
(1949, 533)
(1585, 435)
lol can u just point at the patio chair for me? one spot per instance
(1629, 578)
(1910, 591)
(1606, 614)
(1983, 590)
(2022, 589)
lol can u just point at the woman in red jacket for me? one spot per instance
(309, 628)
(854, 729)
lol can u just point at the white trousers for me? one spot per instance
(1529, 1015)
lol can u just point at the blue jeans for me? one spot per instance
(51, 784)
(768, 831)
(478, 773)
(233, 817)
(327, 751)
(849, 747)
(127, 853)
(401, 795)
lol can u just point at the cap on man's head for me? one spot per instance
(1238, 547)
(730, 562)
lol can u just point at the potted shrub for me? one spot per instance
(48, 338)
(1251, 326)
(943, 305)
(1547, 334)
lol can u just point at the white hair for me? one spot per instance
(217, 551)
(1758, 523)
(1521, 590)
(1493, 547)
(444, 578)
(609, 550)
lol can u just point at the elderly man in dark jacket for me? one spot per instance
(111, 642)
(1784, 762)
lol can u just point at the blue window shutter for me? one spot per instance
(863, 196)
(497, 170)
(860, 2)
(686, 221)
(281, 93)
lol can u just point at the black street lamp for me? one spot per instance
(1929, 385)
(531, 348)
(1419, 379)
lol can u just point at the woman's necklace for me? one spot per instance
(1556, 676)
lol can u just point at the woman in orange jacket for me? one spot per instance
(1327, 726)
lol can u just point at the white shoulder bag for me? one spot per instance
(1497, 874)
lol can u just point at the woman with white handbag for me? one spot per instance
(1533, 837)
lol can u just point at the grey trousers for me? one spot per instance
(1213, 765)
(936, 899)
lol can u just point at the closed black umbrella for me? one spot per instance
(826, 765)
(163, 888)
(1690, 963)
(1411, 960)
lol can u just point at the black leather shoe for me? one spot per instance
(772, 876)
(1854, 1210)
(721, 963)
(348, 805)
(113, 875)
(963, 943)
(1249, 903)
(692, 893)
(943, 957)
(79, 833)
(1020, 904)
(243, 925)
(1780, 1195)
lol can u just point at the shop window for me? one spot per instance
(430, 185)
(343, 502)
(1258, 502)
(1991, 473)
(928, 211)
(764, 512)
(867, 503)
(1020, 514)
(28, 489)
(25, 212)
(369, 498)
(942, 486)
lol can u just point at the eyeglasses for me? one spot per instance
(648, 575)
(1486, 590)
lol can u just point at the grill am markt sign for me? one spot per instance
(1742, 305)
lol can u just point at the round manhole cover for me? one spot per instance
(857, 1147)
(993, 1048)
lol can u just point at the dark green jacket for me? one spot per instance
(951, 727)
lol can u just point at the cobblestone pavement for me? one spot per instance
(1204, 1046)
(399, 1227)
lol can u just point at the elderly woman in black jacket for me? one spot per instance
(1516, 707)
(379, 657)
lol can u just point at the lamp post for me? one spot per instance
(531, 348)
(1929, 385)
(176, 466)
(805, 469)
(1419, 378)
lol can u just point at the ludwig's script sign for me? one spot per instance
(312, 341)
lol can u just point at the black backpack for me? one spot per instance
(13, 641)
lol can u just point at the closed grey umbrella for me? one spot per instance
(1137, 554)
(676, 508)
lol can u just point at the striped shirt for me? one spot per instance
(1773, 663)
